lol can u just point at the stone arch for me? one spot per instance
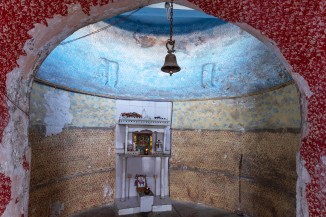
(27, 43)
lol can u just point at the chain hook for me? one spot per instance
(170, 45)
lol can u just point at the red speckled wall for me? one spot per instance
(5, 192)
(297, 28)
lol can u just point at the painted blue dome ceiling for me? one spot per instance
(217, 59)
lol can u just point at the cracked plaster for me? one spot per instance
(57, 111)
(87, 111)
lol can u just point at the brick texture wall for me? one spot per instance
(71, 171)
(205, 169)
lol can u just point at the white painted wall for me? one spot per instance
(147, 166)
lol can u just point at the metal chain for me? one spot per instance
(170, 42)
(171, 20)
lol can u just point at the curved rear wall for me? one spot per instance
(73, 160)
(72, 137)
(238, 154)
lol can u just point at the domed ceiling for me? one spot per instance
(217, 59)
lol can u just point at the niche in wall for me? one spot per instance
(150, 125)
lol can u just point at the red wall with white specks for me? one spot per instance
(297, 28)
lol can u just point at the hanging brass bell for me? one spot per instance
(170, 65)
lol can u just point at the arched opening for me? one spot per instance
(219, 143)
(15, 174)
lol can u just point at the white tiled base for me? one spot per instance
(132, 205)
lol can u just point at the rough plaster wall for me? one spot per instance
(90, 111)
(292, 39)
(80, 149)
(57, 111)
(296, 28)
(205, 168)
(209, 138)
(271, 110)
(71, 171)
(14, 149)
(87, 111)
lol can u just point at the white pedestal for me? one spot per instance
(146, 203)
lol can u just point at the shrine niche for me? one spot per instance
(143, 153)
(143, 141)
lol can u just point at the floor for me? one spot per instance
(180, 209)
